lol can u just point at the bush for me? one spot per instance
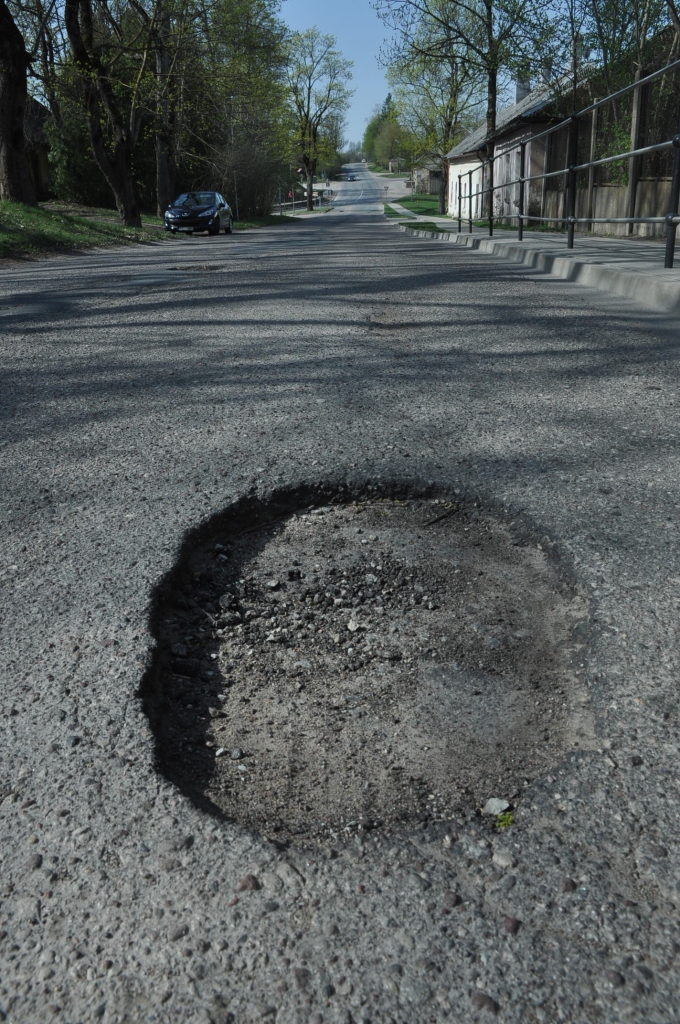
(248, 177)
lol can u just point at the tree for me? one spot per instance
(437, 101)
(15, 180)
(383, 113)
(485, 37)
(318, 95)
(100, 49)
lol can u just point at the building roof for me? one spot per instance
(514, 115)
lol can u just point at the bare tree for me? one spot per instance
(317, 82)
(437, 100)
(102, 103)
(15, 180)
(486, 37)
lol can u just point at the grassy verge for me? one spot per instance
(275, 220)
(421, 204)
(421, 225)
(513, 227)
(389, 212)
(53, 227)
(382, 173)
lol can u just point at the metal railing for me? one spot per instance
(671, 219)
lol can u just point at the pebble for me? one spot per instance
(512, 925)
(616, 979)
(568, 885)
(495, 806)
(503, 859)
(35, 861)
(248, 883)
(236, 754)
(452, 899)
(301, 977)
(481, 1001)
(175, 934)
(636, 760)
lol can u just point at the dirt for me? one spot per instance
(370, 665)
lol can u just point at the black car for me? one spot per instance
(199, 211)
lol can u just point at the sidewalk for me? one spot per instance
(629, 267)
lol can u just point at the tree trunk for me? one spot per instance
(310, 187)
(443, 188)
(116, 169)
(491, 101)
(164, 174)
(15, 177)
(116, 166)
(164, 163)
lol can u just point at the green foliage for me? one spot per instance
(25, 230)
(382, 115)
(76, 178)
(505, 820)
(420, 204)
(206, 77)
(421, 225)
(270, 221)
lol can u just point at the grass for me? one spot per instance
(421, 225)
(421, 204)
(387, 174)
(56, 227)
(389, 212)
(505, 820)
(274, 220)
(513, 227)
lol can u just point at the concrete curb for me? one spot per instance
(648, 288)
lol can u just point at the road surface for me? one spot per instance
(144, 390)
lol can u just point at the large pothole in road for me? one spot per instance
(359, 666)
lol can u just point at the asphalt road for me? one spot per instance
(145, 389)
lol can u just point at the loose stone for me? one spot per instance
(495, 806)
(248, 883)
(481, 1001)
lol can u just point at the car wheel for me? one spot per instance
(229, 228)
(215, 229)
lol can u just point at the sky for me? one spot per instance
(359, 33)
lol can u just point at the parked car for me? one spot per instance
(199, 211)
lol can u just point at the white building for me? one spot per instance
(468, 161)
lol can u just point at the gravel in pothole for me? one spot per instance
(360, 666)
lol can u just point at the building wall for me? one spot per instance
(464, 167)
(652, 199)
(506, 168)
(507, 159)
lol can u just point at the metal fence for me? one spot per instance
(571, 170)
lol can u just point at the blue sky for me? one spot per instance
(359, 33)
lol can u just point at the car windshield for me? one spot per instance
(195, 199)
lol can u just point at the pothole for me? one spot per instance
(375, 664)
